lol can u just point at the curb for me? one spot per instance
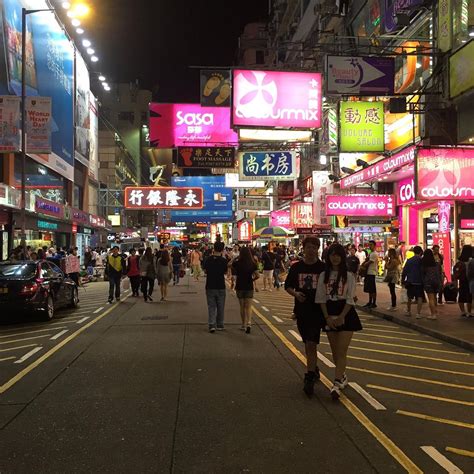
(409, 324)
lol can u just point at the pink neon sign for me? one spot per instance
(361, 205)
(467, 224)
(173, 125)
(280, 218)
(406, 193)
(445, 173)
(396, 161)
(276, 99)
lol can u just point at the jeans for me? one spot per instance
(135, 284)
(114, 285)
(176, 269)
(215, 305)
(147, 286)
(391, 287)
(276, 280)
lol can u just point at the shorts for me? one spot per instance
(432, 289)
(369, 284)
(351, 321)
(415, 291)
(465, 295)
(310, 327)
(244, 294)
(267, 273)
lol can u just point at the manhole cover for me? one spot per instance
(154, 318)
(188, 292)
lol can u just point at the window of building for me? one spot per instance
(259, 57)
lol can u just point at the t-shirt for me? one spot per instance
(344, 291)
(373, 267)
(268, 261)
(216, 268)
(176, 258)
(361, 256)
(304, 277)
(244, 276)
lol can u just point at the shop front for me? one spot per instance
(81, 230)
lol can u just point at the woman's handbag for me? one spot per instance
(364, 268)
(125, 284)
(282, 277)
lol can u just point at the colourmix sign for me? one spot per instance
(360, 205)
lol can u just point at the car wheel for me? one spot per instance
(74, 298)
(48, 313)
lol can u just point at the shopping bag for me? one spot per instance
(403, 296)
(125, 284)
(282, 277)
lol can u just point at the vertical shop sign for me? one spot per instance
(443, 239)
(301, 214)
(245, 231)
(321, 186)
(333, 130)
(9, 123)
(444, 214)
(445, 25)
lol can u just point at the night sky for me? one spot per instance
(156, 40)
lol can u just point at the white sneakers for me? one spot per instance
(338, 386)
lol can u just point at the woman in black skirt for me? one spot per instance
(335, 293)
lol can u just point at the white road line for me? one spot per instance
(82, 320)
(295, 335)
(98, 310)
(28, 355)
(265, 309)
(256, 301)
(367, 396)
(59, 334)
(443, 461)
(325, 360)
(276, 318)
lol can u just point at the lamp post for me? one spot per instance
(24, 13)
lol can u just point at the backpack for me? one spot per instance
(470, 269)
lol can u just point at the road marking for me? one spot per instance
(381, 437)
(75, 313)
(277, 319)
(8, 358)
(423, 367)
(98, 310)
(462, 452)
(82, 320)
(25, 339)
(18, 347)
(413, 347)
(295, 335)
(326, 361)
(402, 338)
(421, 416)
(443, 461)
(28, 355)
(265, 309)
(27, 332)
(391, 331)
(367, 396)
(256, 301)
(7, 385)
(385, 326)
(421, 395)
(416, 379)
(59, 334)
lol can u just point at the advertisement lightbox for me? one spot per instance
(276, 99)
(361, 205)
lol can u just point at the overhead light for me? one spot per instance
(101, 78)
(66, 5)
(79, 31)
(75, 22)
(347, 170)
(94, 59)
(471, 140)
(86, 43)
(323, 159)
(144, 126)
(70, 14)
(90, 51)
(81, 9)
(105, 85)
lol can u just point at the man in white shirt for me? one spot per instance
(369, 281)
(361, 255)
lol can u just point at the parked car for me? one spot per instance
(35, 286)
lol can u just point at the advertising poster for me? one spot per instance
(280, 219)
(93, 138)
(215, 87)
(49, 73)
(10, 133)
(217, 204)
(361, 127)
(276, 99)
(206, 157)
(163, 198)
(174, 125)
(275, 165)
(443, 239)
(301, 215)
(322, 185)
(82, 111)
(244, 231)
(38, 124)
(360, 205)
(406, 191)
(355, 75)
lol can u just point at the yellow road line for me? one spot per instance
(423, 367)
(413, 347)
(381, 437)
(7, 358)
(462, 452)
(7, 385)
(18, 347)
(25, 339)
(421, 416)
(391, 331)
(413, 356)
(421, 395)
(402, 338)
(416, 379)
(29, 332)
(387, 325)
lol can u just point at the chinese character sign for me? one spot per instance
(251, 203)
(322, 185)
(443, 240)
(301, 214)
(9, 123)
(163, 198)
(206, 157)
(444, 215)
(361, 127)
(244, 231)
(275, 165)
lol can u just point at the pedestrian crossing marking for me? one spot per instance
(446, 421)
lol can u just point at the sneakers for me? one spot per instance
(419, 316)
(308, 387)
(247, 330)
(344, 382)
(335, 390)
(110, 301)
(220, 329)
(392, 308)
(212, 330)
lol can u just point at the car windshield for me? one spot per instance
(15, 270)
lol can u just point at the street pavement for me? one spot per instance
(144, 387)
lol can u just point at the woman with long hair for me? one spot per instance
(177, 261)
(392, 266)
(245, 269)
(164, 270)
(133, 271)
(147, 274)
(335, 293)
(431, 273)
(460, 274)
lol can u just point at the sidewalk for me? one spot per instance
(449, 326)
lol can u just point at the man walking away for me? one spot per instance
(114, 269)
(216, 269)
(369, 281)
(412, 279)
(268, 260)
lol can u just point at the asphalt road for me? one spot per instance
(141, 387)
